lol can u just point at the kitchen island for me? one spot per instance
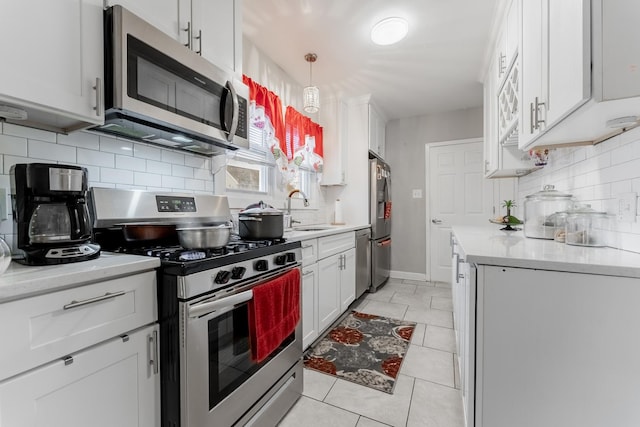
(546, 332)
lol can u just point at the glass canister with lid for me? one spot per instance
(586, 227)
(540, 211)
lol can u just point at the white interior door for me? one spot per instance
(458, 195)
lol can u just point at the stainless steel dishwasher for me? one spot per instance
(363, 261)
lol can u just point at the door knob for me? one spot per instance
(436, 221)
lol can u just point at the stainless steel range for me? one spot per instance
(209, 377)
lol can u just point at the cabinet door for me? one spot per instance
(217, 32)
(328, 291)
(347, 279)
(569, 57)
(309, 298)
(333, 116)
(52, 58)
(170, 16)
(491, 144)
(532, 99)
(111, 384)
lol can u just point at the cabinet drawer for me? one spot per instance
(337, 243)
(309, 251)
(40, 329)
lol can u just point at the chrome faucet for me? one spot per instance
(304, 196)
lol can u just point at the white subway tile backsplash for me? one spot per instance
(80, 139)
(29, 133)
(145, 151)
(116, 146)
(131, 163)
(12, 160)
(203, 174)
(13, 145)
(146, 179)
(194, 184)
(158, 167)
(172, 157)
(96, 158)
(116, 176)
(182, 171)
(51, 152)
(197, 162)
(173, 182)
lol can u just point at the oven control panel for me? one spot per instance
(237, 273)
(175, 204)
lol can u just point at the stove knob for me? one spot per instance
(291, 257)
(222, 277)
(237, 272)
(281, 260)
(261, 265)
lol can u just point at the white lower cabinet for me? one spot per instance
(114, 383)
(328, 282)
(309, 309)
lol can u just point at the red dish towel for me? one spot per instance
(274, 313)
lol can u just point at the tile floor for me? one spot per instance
(427, 391)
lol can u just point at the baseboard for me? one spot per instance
(407, 275)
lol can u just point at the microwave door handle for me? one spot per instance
(236, 110)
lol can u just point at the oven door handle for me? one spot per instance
(228, 302)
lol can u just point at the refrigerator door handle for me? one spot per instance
(385, 242)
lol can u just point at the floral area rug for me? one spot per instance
(364, 348)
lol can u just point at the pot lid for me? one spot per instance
(585, 210)
(549, 192)
(260, 208)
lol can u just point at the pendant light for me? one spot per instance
(311, 94)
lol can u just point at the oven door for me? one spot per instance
(220, 382)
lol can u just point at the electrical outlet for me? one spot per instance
(3, 204)
(627, 207)
(417, 194)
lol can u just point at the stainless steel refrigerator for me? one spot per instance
(380, 219)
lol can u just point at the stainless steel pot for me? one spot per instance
(215, 236)
(261, 223)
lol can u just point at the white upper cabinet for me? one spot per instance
(173, 17)
(52, 62)
(587, 51)
(502, 104)
(212, 28)
(377, 127)
(333, 117)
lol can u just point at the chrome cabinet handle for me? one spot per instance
(531, 119)
(236, 110)
(199, 38)
(108, 295)
(98, 89)
(436, 221)
(538, 121)
(188, 30)
(306, 273)
(153, 353)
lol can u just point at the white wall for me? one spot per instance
(405, 152)
(595, 175)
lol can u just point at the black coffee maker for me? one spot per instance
(51, 219)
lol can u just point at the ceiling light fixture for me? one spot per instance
(311, 94)
(389, 31)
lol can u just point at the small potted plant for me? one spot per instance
(508, 218)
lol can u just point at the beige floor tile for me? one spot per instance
(434, 291)
(418, 282)
(366, 422)
(440, 338)
(434, 405)
(391, 409)
(446, 285)
(311, 413)
(417, 300)
(385, 309)
(359, 304)
(317, 384)
(429, 316)
(428, 364)
(418, 334)
(442, 303)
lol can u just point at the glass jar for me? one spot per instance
(586, 227)
(539, 208)
(559, 221)
(5, 256)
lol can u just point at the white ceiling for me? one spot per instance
(436, 68)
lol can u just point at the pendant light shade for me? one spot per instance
(311, 94)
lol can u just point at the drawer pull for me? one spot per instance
(108, 295)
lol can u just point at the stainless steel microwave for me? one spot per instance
(161, 92)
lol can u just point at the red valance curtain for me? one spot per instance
(271, 107)
(304, 140)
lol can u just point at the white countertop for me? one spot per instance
(305, 232)
(21, 281)
(491, 246)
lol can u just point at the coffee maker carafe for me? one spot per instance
(51, 219)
